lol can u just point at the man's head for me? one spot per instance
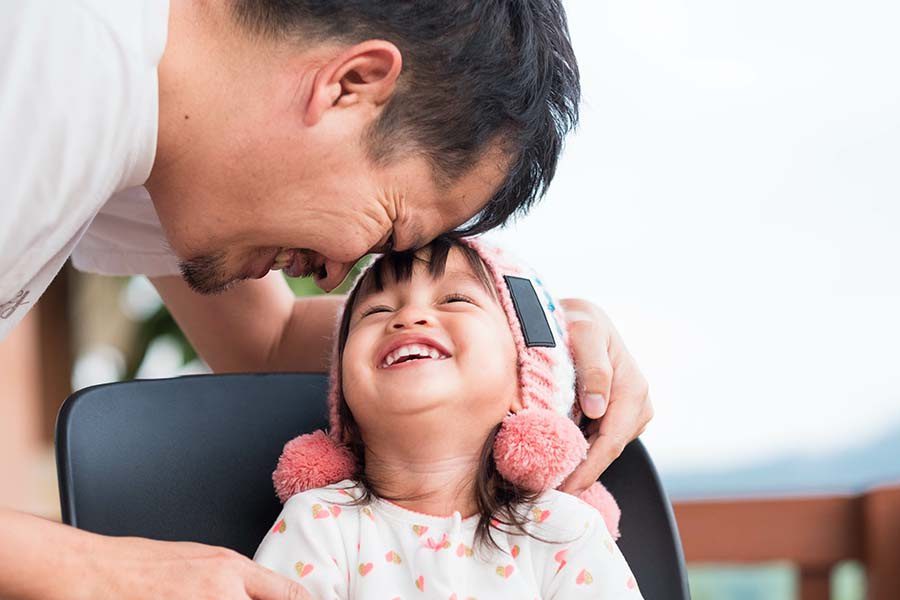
(327, 129)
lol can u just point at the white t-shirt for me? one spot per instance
(341, 551)
(78, 123)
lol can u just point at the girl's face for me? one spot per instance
(431, 344)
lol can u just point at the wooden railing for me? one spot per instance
(814, 533)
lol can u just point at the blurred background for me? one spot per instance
(730, 199)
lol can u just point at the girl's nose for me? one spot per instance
(401, 325)
(409, 316)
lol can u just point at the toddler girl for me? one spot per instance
(452, 421)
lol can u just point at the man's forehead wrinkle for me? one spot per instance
(418, 235)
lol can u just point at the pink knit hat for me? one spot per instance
(536, 448)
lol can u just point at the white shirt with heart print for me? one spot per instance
(339, 551)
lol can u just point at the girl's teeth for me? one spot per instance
(412, 349)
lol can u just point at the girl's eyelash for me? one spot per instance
(458, 298)
(376, 309)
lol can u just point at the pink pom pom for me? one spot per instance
(600, 498)
(311, 461)
(537, 448)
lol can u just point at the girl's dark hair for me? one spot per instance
(499, 501)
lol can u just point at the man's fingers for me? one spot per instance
(603, 451)
(593, 369)
(608, 438)
(263, 584)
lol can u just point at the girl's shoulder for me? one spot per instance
(556, 514)
(340, 494)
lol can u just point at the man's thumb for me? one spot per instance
(264, 584)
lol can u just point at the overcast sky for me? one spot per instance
(731, 199)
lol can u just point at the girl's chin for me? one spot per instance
(414, 396)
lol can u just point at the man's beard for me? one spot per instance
(206, 274)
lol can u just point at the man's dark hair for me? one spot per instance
(475, 72)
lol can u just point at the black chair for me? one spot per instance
(191, 458)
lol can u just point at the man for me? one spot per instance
(205, 144)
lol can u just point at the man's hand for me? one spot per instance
(42, 560)
(150, 570)
(611, 386)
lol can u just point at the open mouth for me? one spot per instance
(283, 259)
(408, 353)
(296, 262)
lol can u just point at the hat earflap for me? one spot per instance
(310, 461)
(536, 448)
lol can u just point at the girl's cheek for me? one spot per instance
(361, 346)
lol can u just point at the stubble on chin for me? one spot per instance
(206, 274)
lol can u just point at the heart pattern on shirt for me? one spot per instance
(419, 529)
(280, 527)
(540, 515)
(506, 571)
(463, 550)
(303, 569)
(420, 583)
(584, 578)
(319, 512)
(392, 557)
(365, 568)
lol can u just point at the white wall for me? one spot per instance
(731, 199)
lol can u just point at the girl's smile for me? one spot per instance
(406, 349)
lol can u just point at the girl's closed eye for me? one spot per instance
(375, 309)
(457, 297)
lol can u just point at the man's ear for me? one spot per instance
(364, 73)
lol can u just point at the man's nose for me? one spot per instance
(335, 273)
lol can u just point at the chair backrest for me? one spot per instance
(191, 459)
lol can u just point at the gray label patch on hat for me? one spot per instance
(532, 318)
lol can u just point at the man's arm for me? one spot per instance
(257, 325)
(43, 560)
